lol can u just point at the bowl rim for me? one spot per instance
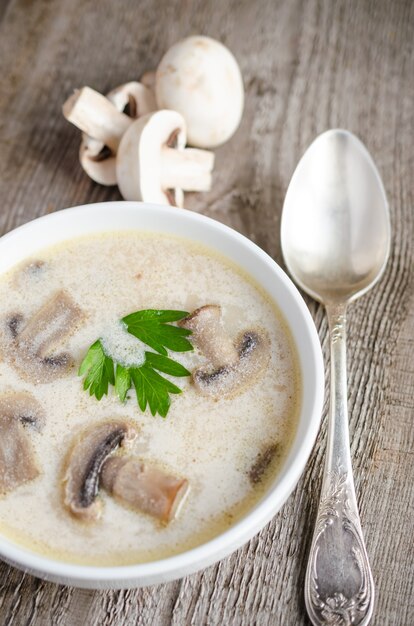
(94, 576)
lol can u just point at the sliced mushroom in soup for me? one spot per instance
(18, 462)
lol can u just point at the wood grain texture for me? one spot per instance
(308, 65)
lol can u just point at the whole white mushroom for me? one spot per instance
(200, 78)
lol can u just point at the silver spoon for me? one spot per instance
(335, 241)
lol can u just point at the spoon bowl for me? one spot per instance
(335, 224)
(335, 240)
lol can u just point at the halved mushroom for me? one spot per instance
(153, 164)
(84, 465)
(17, 459)
(147, 489)
(210, 336)
(96, 116)
(32, 345)
(232, 366)
(88, 110)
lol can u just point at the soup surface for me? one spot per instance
(214, 443)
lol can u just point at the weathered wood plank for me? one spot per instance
(307, 66)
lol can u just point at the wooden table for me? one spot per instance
(308, 65)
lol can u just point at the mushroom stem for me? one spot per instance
(145, 488)
(188, 169)
(97, 116)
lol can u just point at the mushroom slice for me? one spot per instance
(152, 162)
(145, 488)
(231, 367)
(208, 334)
(262, 463)
(33, 344)
(50, 324)
(254, 354)
(17, 459)
(84, 465)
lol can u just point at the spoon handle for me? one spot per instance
(339, 589)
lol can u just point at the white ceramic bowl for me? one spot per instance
(112, 216)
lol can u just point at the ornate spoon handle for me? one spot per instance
(339, 589)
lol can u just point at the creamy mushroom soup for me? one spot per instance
(102, 482)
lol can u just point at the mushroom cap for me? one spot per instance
(139, 158)
(200, 78)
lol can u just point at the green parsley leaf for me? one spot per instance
(122, 381)
(99, 370)
(150, 327)
(152, 390)
(166, 365)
